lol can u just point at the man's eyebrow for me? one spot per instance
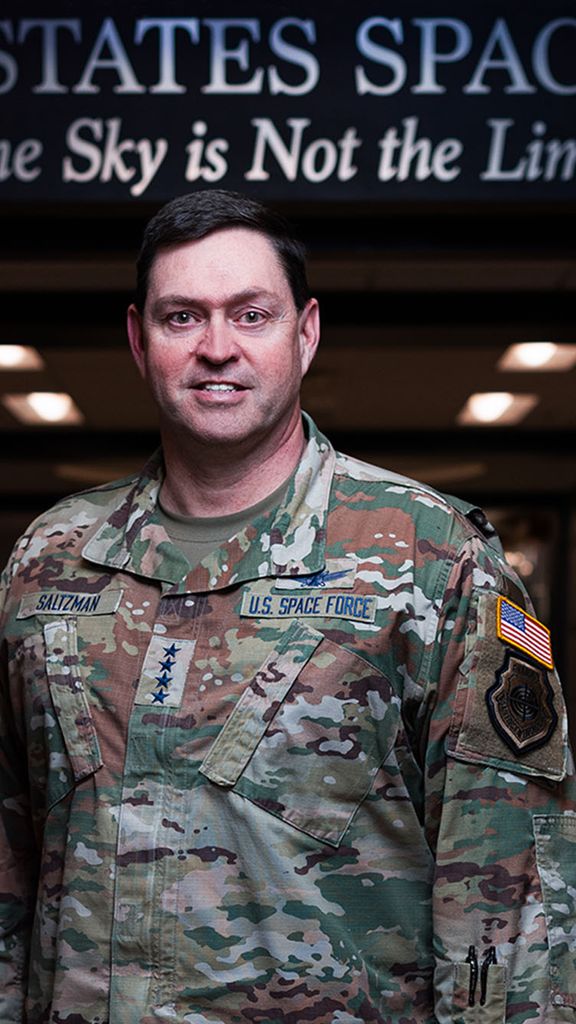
(237, 298)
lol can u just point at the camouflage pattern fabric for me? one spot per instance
(303, 781)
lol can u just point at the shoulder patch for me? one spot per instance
(521, 705)
(514, 626)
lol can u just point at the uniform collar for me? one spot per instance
(288, 541)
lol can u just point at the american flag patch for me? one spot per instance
(516, 627)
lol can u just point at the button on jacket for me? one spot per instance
(317, 777)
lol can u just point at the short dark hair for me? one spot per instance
(193, 216)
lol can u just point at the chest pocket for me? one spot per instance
(308, 735)
(63, 746)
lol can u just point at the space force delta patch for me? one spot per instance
(61, 602)
(358, 607)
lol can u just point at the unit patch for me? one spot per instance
(61, 602)
(514, 626)
(338, 574)
(358, 607)
(165, 670)
(521, 705)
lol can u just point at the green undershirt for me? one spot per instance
(197, 536)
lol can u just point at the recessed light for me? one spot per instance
(538, 357)
(20, 357)
(43, 407)
(496, 407)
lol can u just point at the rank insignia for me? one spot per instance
(164, 672)
(521, 705)
(514, 626)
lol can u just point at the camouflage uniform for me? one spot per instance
(303, 781)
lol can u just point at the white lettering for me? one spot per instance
(7, 62)
(509, 62)
(82, 148)
(110, 161)
(167, 56)
(267, 135)
(430, 56)
(494, 170)
(16, 161)
(220, 55)
(431, 161)
(318, 170)
(319, 160)
(293, 55)
(213, 152)
(49, 28)
(541, 57)
(348, 144)
(118, 62)
(380, 55)
(550, 160)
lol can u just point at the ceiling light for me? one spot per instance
(500, 407)
(538, 356)
(42, 407)
(20, 357)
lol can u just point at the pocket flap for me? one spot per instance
(236, 743)
(69, 699)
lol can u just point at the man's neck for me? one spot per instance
(211, 482)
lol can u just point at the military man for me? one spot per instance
(282, 739)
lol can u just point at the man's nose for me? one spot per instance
(217, 342)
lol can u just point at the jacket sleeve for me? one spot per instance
(501, 806)
(18, 854)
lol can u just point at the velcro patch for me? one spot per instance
(509, 710)
(521, 705)
(61, 602)
(514, 626)
(358, 607)
(164, 671)
(338, 574)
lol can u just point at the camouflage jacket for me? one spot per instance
(317, 777)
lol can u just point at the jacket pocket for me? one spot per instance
(469, 993)
(63, 745)
(308, 735)
(555, 838)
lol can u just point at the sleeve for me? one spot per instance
(18, 855)
(501, 805)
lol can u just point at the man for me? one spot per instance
(282, 740)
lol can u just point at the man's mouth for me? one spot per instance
(220, 387)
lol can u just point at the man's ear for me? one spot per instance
(309, 333)
(136, 338)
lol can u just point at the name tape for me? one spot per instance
(359, 607)
(59, 602)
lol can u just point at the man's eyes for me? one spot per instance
(251, 316)
(182, 318)
(245, 317)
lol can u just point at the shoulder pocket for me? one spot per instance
(308, 735)
(555, 838)
(509, 711)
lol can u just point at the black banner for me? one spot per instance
(347, 101)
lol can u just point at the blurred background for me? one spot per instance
(426, 159)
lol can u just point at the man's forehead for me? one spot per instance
(244, 245)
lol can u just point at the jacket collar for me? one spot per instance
(289, 541)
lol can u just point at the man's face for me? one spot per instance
(220, 341)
